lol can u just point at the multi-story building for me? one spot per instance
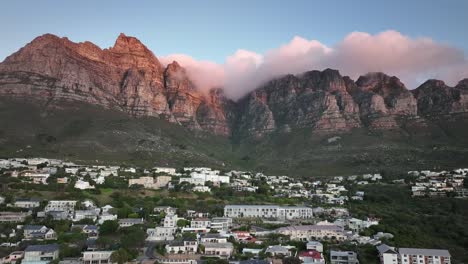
(218, 249)
(200, 223)
(343, 257)
(268, 211)
(126, 222)
(392, 255)
(27, 203)
(13, 217)
(61, 205)
(97, 257)
(186, 246)
(315, 245)
(40, 254)
(221, 223)
(312, 232)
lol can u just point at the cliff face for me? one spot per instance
(314, 99)
(129, 77)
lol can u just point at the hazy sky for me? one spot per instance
(239, 44)
(212, 30)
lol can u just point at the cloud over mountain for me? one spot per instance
(412, 59)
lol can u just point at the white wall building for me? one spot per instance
(268, 211)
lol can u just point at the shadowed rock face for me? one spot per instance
(129, 77)
(436, 98)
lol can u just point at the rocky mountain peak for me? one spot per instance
(463, 84)
(127, 44)
(380, 83)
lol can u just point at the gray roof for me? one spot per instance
(424, 251)
(131, 220)
(342, 253)
(218, 245)
(385, 249)
(32, 227)
(277, 249)
(42, 248)
(310, 227)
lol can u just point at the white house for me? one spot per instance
(186, 246)
(97, 257)
(160, 233)
(219, 249)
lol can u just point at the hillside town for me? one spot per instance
(317, 228)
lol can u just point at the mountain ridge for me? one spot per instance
(128, 77)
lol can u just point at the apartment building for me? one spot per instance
(268, 212)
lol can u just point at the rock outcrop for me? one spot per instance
(126, 77)
(129, 77)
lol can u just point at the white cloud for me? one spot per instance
(411, 59)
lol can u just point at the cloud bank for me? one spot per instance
(413, 60)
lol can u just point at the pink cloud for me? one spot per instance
(412, 59)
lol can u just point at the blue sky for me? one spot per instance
(212, 30)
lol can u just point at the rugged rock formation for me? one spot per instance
(313, 99)
(436, 98)
(129, 77)
(382, 99)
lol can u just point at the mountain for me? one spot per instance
(312, 121)
(127, 77)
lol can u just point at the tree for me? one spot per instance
(120, 256)
(291, 260)
(109, 227)
(183, 223)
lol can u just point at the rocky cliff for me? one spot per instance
(129, 77)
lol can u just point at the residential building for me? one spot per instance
(387, 254)
(312, 232)
(27, 203)
(278, 251)
(85, 214)
(315, 245)
(311, 256)
(37, 177)
(161, 233)
(40, 254)
(213, 238)
(126, 222)
(38, 232)
(221, 223)
(424, 256)
(268, 212)
(61, 205)
(97, 257)
(200, 223)
(83, 185)
(186, 246)
(343, 257)
(166, 209)
(392, 255)
(170, 171)
(219, 249)
(13, 217)
(170, 220)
